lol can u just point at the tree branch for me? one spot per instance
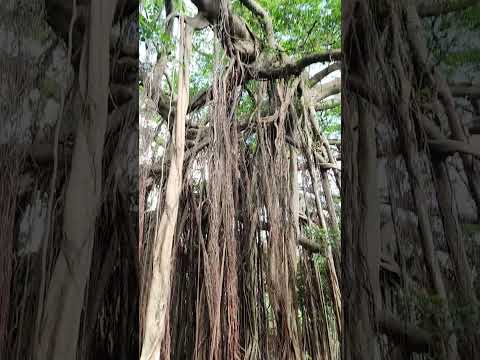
(447, 146)
(465, 89)
(164, 108)
(264, 17)
(309, 245)
(323, 91)
(440, 7)
(200, 100)
(294, 68)
(325, 72)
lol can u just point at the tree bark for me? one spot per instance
(160, 287)
(66, 292)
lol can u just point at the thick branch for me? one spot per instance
(200, 100)
(238, 34)
(164, 108)
(465, 89)
(449, 147)
(440, 7)
(325, 72)
(294, 68)
(323, 91)
(260, 12)
(309, 245)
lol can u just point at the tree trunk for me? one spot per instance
(160, 287)
(66, 291)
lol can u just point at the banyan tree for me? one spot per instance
(240, 180)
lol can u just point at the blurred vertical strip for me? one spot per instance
(410, 179)
(9, 183)
(53, 92)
